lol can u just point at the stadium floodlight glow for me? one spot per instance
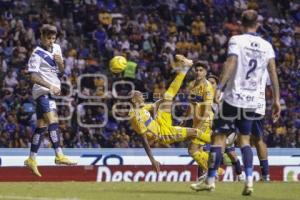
(68, 83)
(115, 110)
(82, 76)
(71, 108)
(96, 104)
(122, 82)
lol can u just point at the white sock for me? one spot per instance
(32, 155)
(210, 180)
(58, 151)
(249, 181)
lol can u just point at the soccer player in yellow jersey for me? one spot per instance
(201, 99)
(159, 128)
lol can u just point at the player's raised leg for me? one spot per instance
(177, 82)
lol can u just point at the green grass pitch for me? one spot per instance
(142, 191)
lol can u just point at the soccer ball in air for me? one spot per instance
(117, 64)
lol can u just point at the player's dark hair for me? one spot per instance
(249, 18)
(214, 77)
(48, 29)
(201, 64)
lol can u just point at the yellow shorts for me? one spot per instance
(169, 134)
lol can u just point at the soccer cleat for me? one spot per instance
(187, 63)
(31, 163)
(202, 186)
(63, 160)
(266, 178)
(248, 190)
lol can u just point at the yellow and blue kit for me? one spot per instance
(201, 95)
(157, 129)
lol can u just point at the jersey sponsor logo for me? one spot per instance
(243, 97)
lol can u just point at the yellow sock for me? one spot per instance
(201, 157)
(174, 87)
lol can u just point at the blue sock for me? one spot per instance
(237, 167)
(37, 139)
(264, 166)
(54, 135)
(247, 155)
(215, 157)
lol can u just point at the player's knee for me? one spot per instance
(258, 141)
(165, 105)
(219, 139)
(168, 97)
(191, 133)
(243, 140)
(41, 123)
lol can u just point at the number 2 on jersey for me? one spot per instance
(252, 64)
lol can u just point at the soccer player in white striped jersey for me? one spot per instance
(249, 56)
(44, 65)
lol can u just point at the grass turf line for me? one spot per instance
(143, 191)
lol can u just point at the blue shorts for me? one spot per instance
(229, 149)
(44, 104)
(258, 128)
(233, 119)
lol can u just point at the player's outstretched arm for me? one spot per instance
(227, 72)
(276, 109)
(37, 79)
(147, 148)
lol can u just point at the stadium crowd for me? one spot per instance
(148, 33)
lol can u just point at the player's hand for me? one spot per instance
(218, 97)
(58, 59)
(276, 109)
(156, 165)
(54, 90)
